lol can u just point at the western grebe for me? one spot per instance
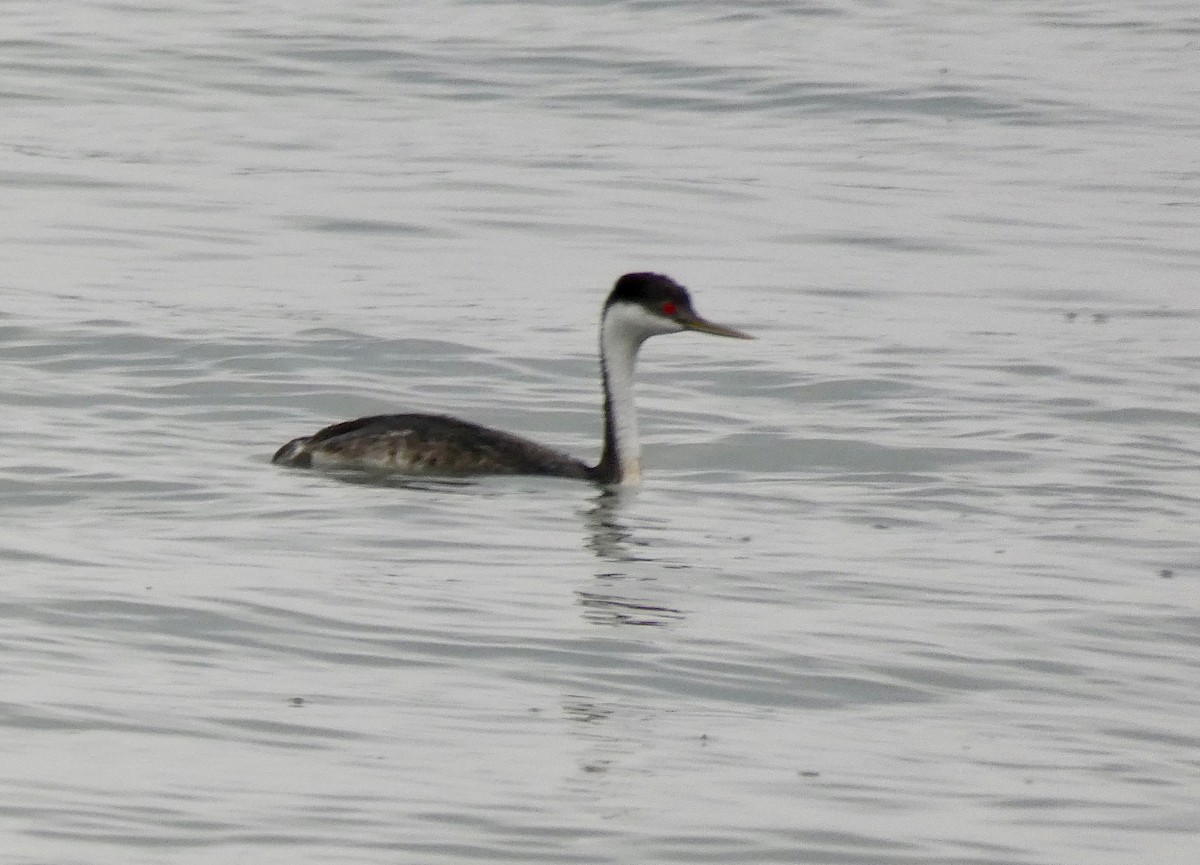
(641, 305)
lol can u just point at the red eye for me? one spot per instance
(669, 308)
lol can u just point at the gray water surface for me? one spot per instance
(911, 579)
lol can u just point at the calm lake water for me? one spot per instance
(911, 579)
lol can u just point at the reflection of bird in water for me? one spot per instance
(640, 306)
(611, 609)
(627, 566)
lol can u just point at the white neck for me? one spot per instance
(625, 327)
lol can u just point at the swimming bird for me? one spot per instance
(641, 305)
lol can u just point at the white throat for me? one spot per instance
(625, 327)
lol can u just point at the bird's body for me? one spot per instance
(641, 305)
(426, 444)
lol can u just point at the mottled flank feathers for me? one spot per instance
(426, 444)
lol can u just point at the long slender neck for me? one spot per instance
(621, 462)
